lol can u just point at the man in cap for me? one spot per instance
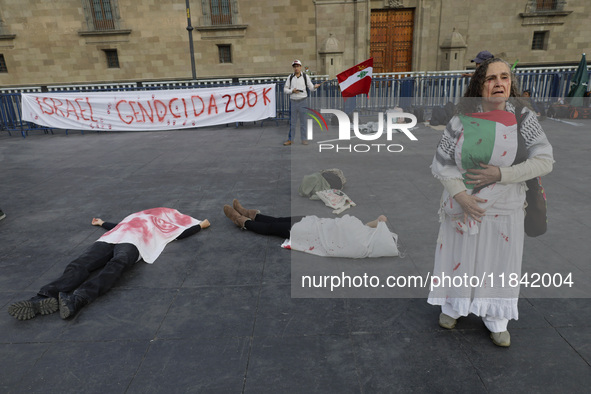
(295, 87)
(482, 56)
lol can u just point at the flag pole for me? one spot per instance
(328, 80)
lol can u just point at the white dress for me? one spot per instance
(478, 265)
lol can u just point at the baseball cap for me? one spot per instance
(482, 56)
(296, 62)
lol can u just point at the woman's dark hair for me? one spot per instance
(472, 98)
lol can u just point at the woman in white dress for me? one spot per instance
(482, 207)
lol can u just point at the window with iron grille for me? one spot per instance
(225, 53)
(221, 12)
(3, 68)
(546, 5)
(112, 58)
(101, 14)
(539, 40)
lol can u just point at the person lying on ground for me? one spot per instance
(142, 235)
(340, 237)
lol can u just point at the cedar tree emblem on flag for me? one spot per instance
(357, 79)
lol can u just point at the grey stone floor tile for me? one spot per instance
(17, 360)
(280, 315)
(7, 297)
(564, 312)
(317, 364)
(241, 263)
(578, 339)
(391, 315)
(277, 263)
(121, 314)
(85, 367)
(16, 274)
(211, 312)
(193, 366)
(538, 360)
(414, 362)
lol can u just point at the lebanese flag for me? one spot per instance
(357, 79)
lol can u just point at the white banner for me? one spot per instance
(150, 110)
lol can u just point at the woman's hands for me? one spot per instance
(470, 206)
(486, 176)
(97, 222)
(204, 224)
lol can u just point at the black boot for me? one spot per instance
(25, 310)
(70, 304)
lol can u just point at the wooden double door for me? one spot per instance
(391, 40)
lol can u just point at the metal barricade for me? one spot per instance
(11, 116)
(389, 90)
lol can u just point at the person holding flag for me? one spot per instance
(296, 87)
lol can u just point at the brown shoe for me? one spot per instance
(304, 142)
(249, 213)
(287, 143)
(234, 216)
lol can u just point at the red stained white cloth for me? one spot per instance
(341, 237)
(150, 230)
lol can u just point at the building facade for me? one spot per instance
(56, 42)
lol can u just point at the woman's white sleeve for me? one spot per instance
(531, 168)
(453, 186)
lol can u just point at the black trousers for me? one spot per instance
(268, 225)
(111, 259)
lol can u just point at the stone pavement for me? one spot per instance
(214, 314)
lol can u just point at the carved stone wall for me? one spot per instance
(44, 43)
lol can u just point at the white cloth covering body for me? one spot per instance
(491, 250)
(150, 230)
(341, 237)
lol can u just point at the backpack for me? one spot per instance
(579, 113)
(305, 82)
(558, 111)
(438, 117)
(450, 110)
(418, 112)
